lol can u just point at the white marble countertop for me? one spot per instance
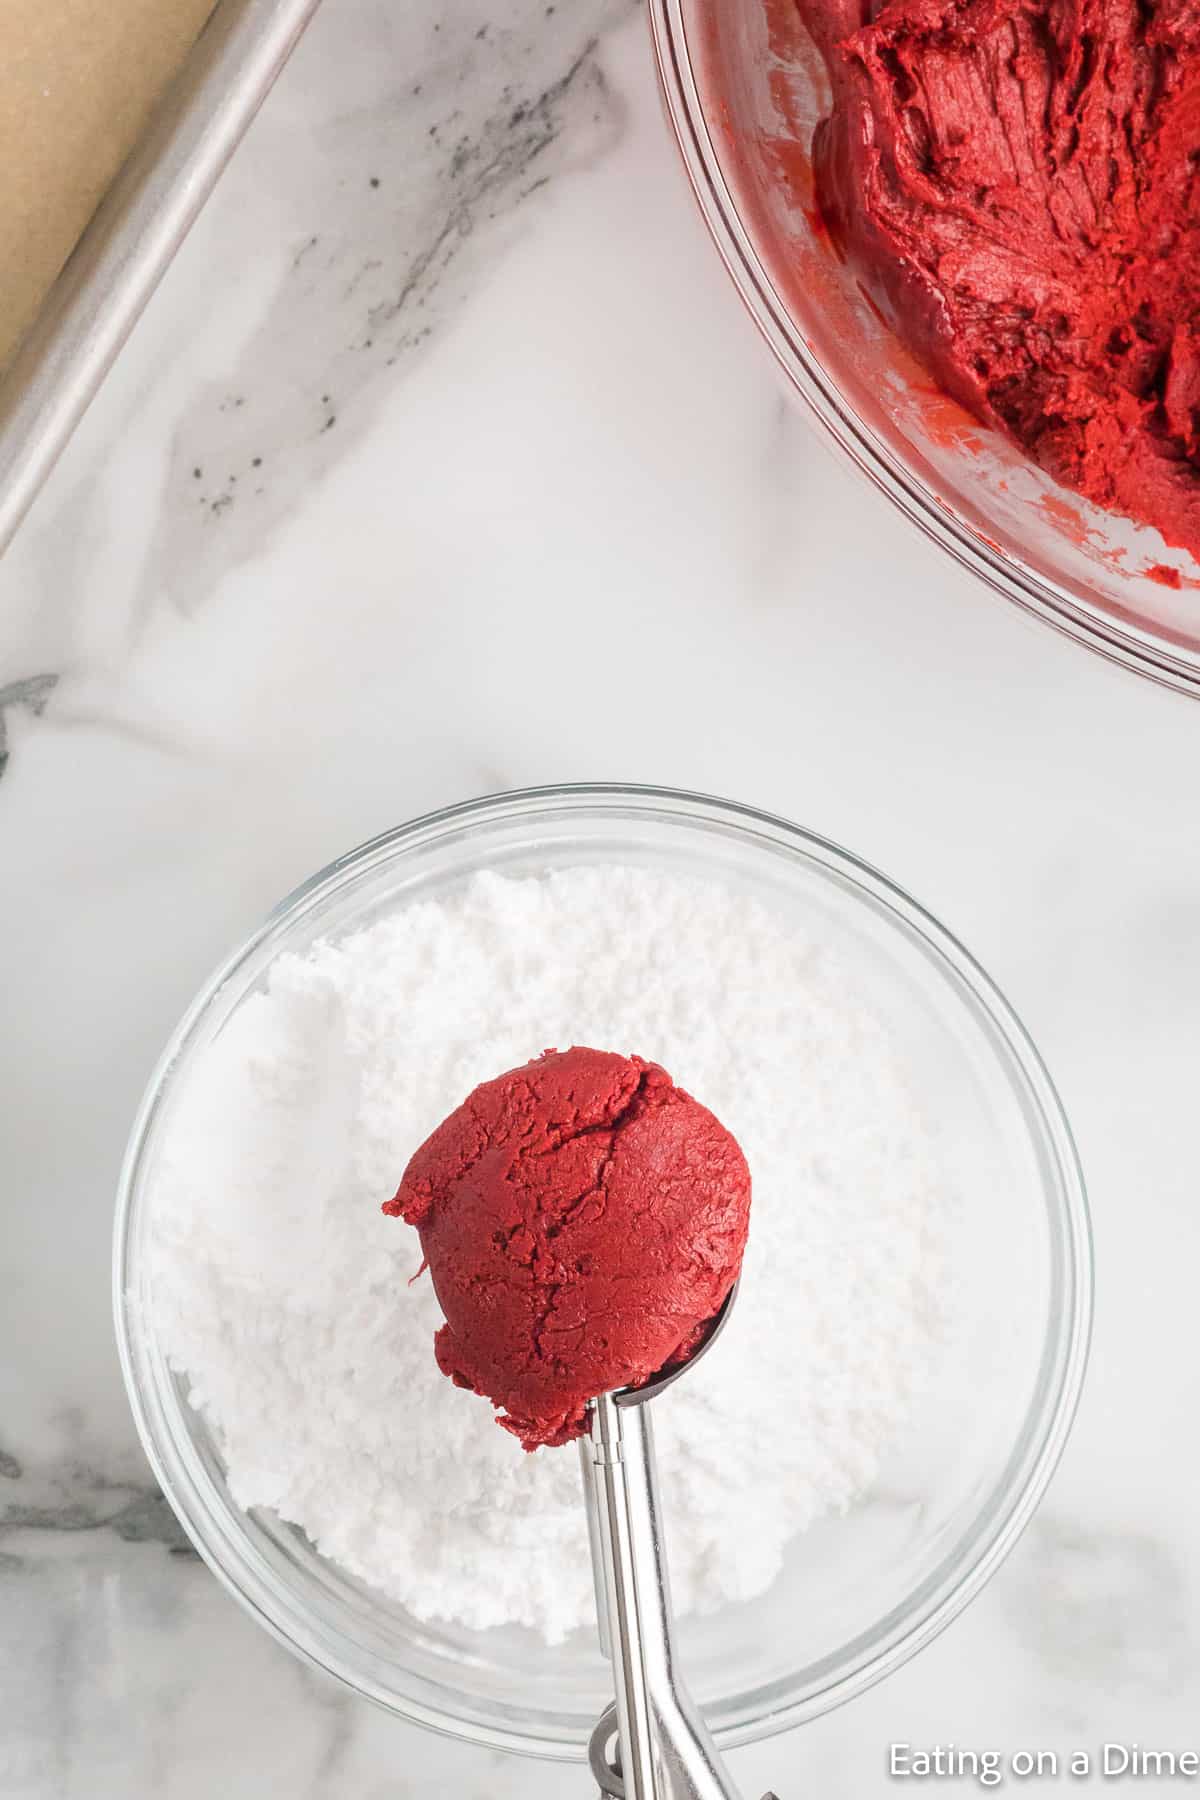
(445, 461)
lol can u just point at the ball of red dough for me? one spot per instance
(583, 1220)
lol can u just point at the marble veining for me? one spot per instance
(30, 694)
(70, 1495)
(1107, 1609)
(389, 249)
(444, 460)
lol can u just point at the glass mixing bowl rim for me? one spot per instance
(1140, 649)
(239, 1566)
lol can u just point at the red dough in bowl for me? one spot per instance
(1018, 183)
(583, 1220)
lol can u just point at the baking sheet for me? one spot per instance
(144, 214)
(78, 83)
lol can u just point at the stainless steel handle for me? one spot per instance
(667, 1752)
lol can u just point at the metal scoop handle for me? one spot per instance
(666, 1751)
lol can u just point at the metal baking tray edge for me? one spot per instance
(132, 236)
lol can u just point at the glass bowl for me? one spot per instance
(744, 87)
(860, 1593)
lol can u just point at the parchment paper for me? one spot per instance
(78, 82)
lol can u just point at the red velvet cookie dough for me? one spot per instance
(583, 1220)
(1018, 182)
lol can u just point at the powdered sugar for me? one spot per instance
(283, 1293)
